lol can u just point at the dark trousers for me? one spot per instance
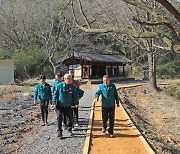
(108, 113)
(75, 114)
(66, 111)
(44, 111)
(63, 117)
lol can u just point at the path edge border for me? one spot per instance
(89, 130)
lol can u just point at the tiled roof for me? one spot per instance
(96, 57)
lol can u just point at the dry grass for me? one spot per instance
(8, 93)
(30, 82)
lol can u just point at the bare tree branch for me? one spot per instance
(155, 12)
(82, 12)
(170, 8)
(171, 45)
(111, 20)
(156, 24)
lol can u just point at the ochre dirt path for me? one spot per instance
(127, 139)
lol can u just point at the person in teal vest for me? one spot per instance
(43, 93)
(58, 79)
(65, 94)
(109, 97)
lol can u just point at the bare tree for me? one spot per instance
(46, 25)
(144, 31)
(56, 34)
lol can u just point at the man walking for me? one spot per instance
(65, 94)
(43, 92)
(58, 79)
(109, 95)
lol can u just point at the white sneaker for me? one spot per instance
(111, 136)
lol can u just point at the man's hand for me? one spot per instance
(76, 106)
(52, 106)
(118, 105)
(35, 102)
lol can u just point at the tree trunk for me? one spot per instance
(152, 70)
(54, 67)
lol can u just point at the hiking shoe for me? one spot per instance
(65, 127)
(111, 136)
(60, 135)
(103, 130)
(47, 124)
(70, 133)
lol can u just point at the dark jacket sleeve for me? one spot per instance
(56, 94)
(75, 96)
(50, 93)
(117, 98)
(80, 92)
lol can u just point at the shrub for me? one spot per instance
(173, 90)
(29, 62)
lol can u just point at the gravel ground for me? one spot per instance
(48, 142)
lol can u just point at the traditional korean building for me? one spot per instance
(92, 66)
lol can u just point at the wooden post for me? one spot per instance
(123, 70)
(117, 70)
(82, 71)
(88, 71)
(111, 71)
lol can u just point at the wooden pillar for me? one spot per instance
(68, 68)
(117, 70)
(82, 71)
(123, 70)
(111, 71)
(88, 71)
